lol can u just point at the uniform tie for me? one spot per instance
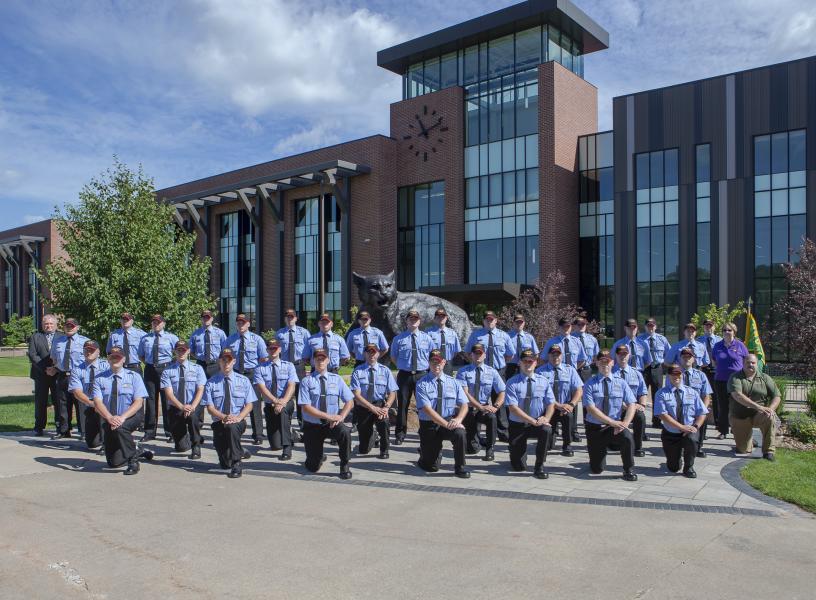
(440, 399)
(442, 343)
(274, 389)
(370, 390)
(66, 358)
(241, 349)
(605, 405)
(126, 345)
(227, 398)
(114, 396)
(156, 349)
(182, 386)
(567, 354)
(413, 353)
(490, 348)
(518, 346)
(632, 355)
(365, 339)
(290, 351)
(528, 398)
(207, 349)
(557, 385)
(686, 377)
(91, 380)
(477, 385)
(708, 346)
(678, 396)
(321, 401)
(326, 342)
(653, 350)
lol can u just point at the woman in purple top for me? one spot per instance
(727, 356)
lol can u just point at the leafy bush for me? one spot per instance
(811, 400)
(17, 330)
(719, 314)
(782, 384)
(802, 427)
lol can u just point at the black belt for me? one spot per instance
(133, 365)
(161, 366)
(206, 363)
(413, 372)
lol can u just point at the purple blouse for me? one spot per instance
(728, 358)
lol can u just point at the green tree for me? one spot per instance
(17, 330)
(719, 314)
(124, 253)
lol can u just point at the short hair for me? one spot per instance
(51, 316)
(732, 326)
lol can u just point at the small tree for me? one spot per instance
(17, 330)
(124, 253)
(719, 314)
(543, 305)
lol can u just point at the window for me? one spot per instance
(11, 306)
(657, 238)
(779, 217)
(237, 247)
(703, 200)
(421, 236)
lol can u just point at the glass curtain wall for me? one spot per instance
(237, 263)
(703, 199)
(421, 236)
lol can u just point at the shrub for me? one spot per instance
(17, 330)
(811, 400)
(782, 384)
(802, 427)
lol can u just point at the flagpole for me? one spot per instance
(748, 318)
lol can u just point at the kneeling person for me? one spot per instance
(375, 391)
(276, 381)
(442, 406)
(81, 386)
(566, 384)
(320, 395)
(183, 385)
(229, 397)
(637, 384)
(682, 412)
(480, 382)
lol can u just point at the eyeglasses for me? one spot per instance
(728, 331)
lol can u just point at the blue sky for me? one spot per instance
(191, 88)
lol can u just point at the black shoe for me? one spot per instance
(169, 439)
(488, 455)
(39, 433)
(101, 451)
(196, 453)
(690, 473)
(345, 474)
(246, 455)
(462, 473)
(701, 454)
(640, 453)
(470, 450)
(235, 471)
(567, 452)
(519, 467)
(384, 454)
(398, 440)
(540, 473)
(629, 476)
(61, 436)
(132, 468)
(424, 467)
(576, 437)
(503, 437)
(360, 451)
(645, 437)
(722, 436)
(322, 459)
(286, 454)
(257, 442)
(296, 437)
(769, 456)
(148, 437)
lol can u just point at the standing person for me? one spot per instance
(81, 386)
(696, 380)
(276, 381)
(709, 339)
(531, 404)
(658, 349)
(639, 354)
(320, 395)
(444, 338)
(700, 354)
(156, 351)
(572, 349)
(480, 383)
(293, 339)
(754, 400)
(129, 338)
(375, 391)
(567, 392)
(635, 381)
(729, 357)
(519, 340)
(328, 340)
(610, 407)
(442, 406)
(229, 397)
(589, 343)
(206, 343)
(183, 385)
(409, 353)
(360, 337)
(66, 355)
(118, 394)
(682, 412)
(248, 348)
(43, 372)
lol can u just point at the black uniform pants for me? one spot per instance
(314, 434)
(300, 370)
(407, 386)
(501, 414)
(585, 373)
(155, 394)
(43, 385)
(211, 368)
(227, 442)
(471, 422)
(91, 424)
(136, 367)
(120, 447)
(638, 426)
(64, 405)
(431, 437)
(563, 421)
(366, 422)
(279, 425)
(677, 444)
(519, 434)
(599, 438)
(653, 378)
(511, 369)
(721, 398)
(256, 419)
(186, 431)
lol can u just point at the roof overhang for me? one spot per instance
(561, 13)
(26, 242)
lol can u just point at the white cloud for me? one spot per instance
(29, 219)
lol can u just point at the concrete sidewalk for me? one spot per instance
(16, 386)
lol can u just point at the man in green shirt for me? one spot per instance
(753, 402)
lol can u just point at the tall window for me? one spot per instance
(307, 254)
(597, 228)
(779, 215)
(657, 238)
(237, 268)
(11, 307)
(421, 236)
(33, 294)
(703, 198)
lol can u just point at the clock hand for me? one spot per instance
(422, 127)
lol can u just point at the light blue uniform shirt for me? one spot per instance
(568, 380)
(300, 336)
(117, 338)
(198, 348)
(642, 355)
(452, 344)
(527, 343)
(285, 373)
(453, 396)
(704, 340)
(517, 395)
(589, 343)
(336, 390)
(501, 345)
(194, 376)
(167, 344)
(384, 382)
(620, 394)
(129, 387)
(633, 378)
(81, 376)
(697, 380)
(700, 352)
(336, 344)
(254, 349)
(355, 341)
(666, 403)
(401, 350)
(572, 352)
(58, 351)
(658, 345)
(489, 381)
(241, 393)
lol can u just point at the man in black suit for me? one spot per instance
(42, 371)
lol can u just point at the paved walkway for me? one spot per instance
(16, 386)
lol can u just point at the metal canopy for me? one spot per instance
(25, 241)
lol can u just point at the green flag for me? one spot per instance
(752, 341)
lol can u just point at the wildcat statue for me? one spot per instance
(379, 296)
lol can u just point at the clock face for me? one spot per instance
(426, 133)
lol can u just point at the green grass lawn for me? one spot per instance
(791, 478)
(17, 414)
(15, 366)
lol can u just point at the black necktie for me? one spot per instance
(440, 399)
(114, 396)
(321, 402)
(413, 353)
(274, 389)
(365, 339)
(126, 346)
(227, 410)
(444, 347)
(291, 349)
(653, 350)
(686, 377)
(477, 386)
(91, 380)
(528, 399)
(708, 346)
(567, 355)
(605, 405)
(557, 386)
(156, 349)
(182, 386)
(583, 343)
(326, 342)
(518, 345)
(370, 390)
(241, 348)
(678, 396)
(632, 355)
(66, 359)
(207, 353)
(490, 348)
